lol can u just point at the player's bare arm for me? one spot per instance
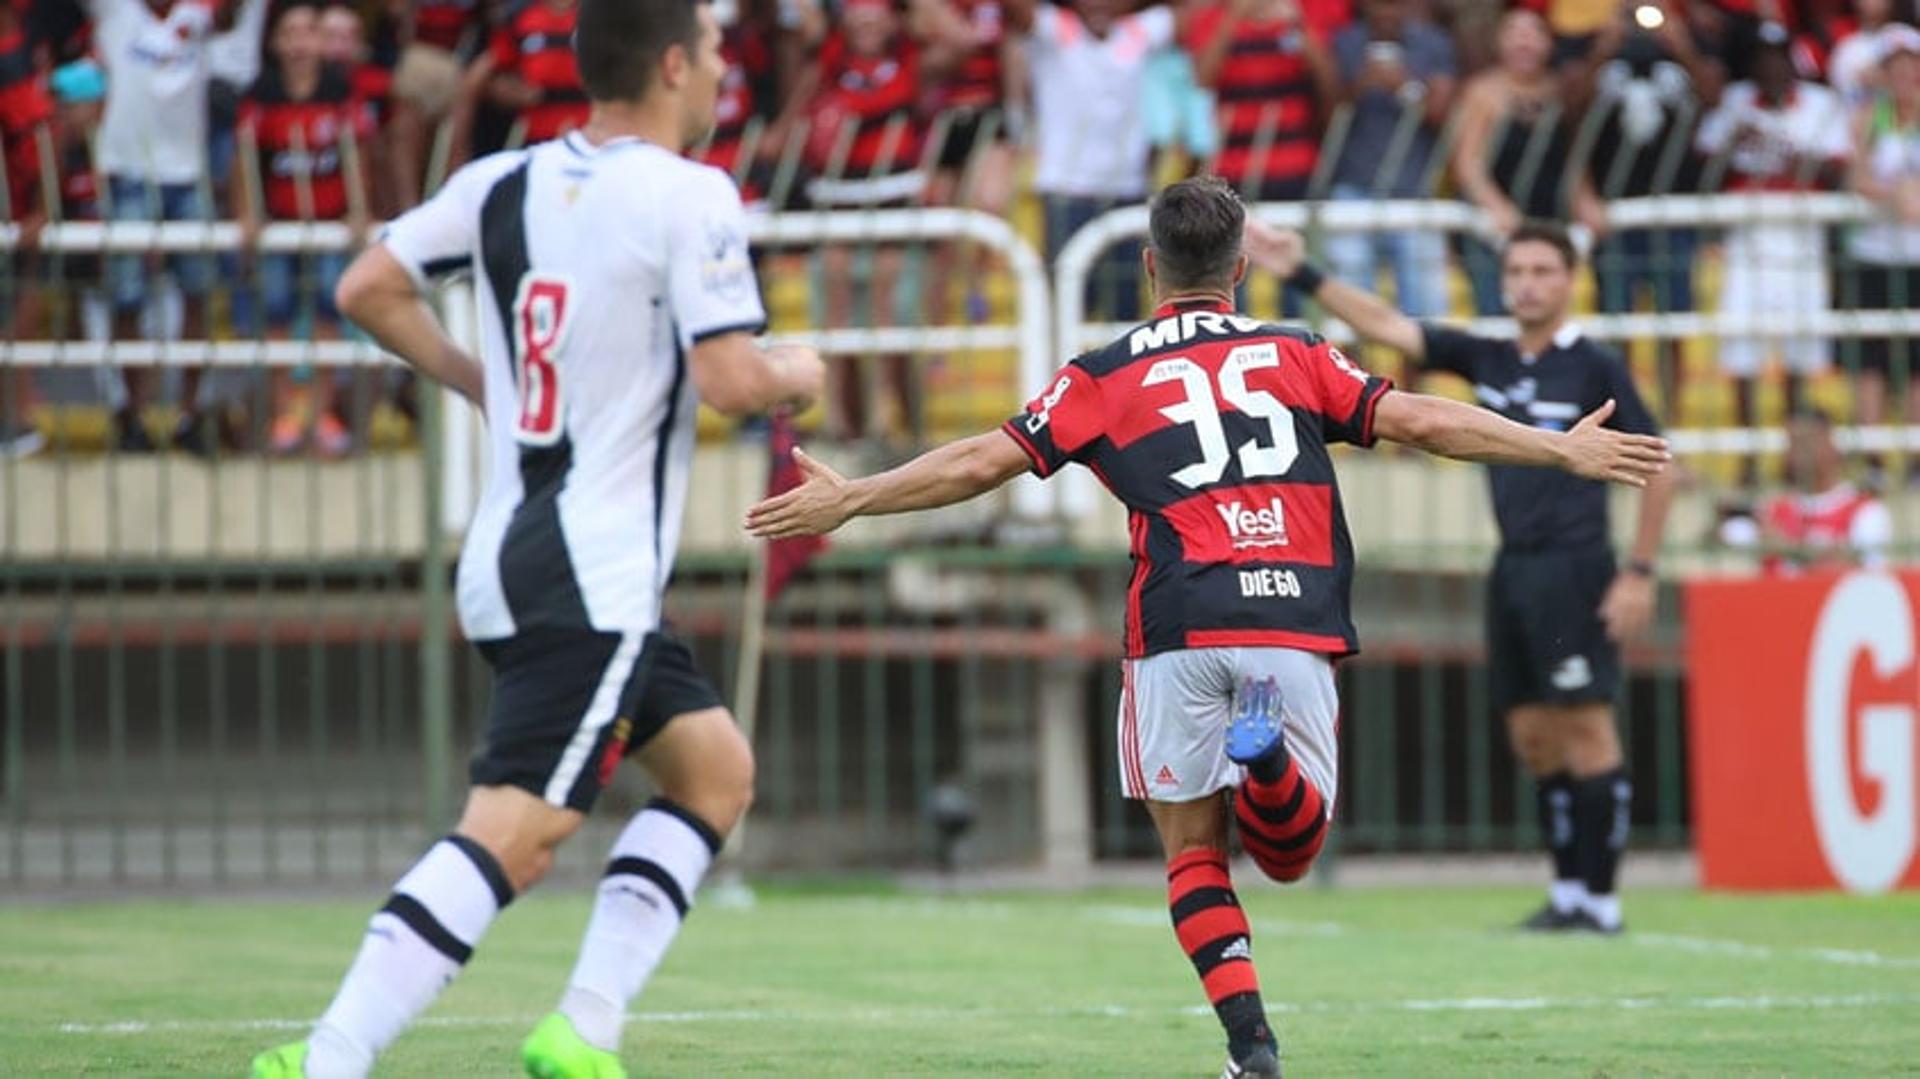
(1282, 252)
(952, 473)
(378, 294)
(737, 377)
(1468, 433)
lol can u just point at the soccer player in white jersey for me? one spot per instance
(616, 294)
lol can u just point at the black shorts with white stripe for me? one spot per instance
(569, 704)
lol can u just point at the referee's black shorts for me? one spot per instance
(1546, 643)
(568, 704)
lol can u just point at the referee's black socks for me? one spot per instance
(1553, 801)
(1602, 814)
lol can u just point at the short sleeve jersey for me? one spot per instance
(1212, 429)
(598, 268)
(1544, 508)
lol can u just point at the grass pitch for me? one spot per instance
(847, 982)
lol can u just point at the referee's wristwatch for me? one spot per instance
(1640, 567)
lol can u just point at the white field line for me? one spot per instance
(1156, 918)
(1109, 914)
(1845, 957)
(1848, 1002)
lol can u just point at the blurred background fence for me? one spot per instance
(236, 664)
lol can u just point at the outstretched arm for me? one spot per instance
(1468, 433)
(1283, 253)
(952, 473)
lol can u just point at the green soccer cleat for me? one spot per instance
(555, 1051)
(287, 1062)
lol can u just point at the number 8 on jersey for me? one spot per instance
(540, 319)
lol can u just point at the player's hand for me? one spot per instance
(1627, 609)
(1278, 251)
(803, 374)
(1601, 453)
(818, 506)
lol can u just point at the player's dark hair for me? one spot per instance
(1551, 233)
(1195, 227)
(619, 43)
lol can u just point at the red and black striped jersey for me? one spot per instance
(978, 82)
(24, 106)
(537, 44)
(300, 144)
(1266, 97)
(876, 95)
(748, 60)
(1212, 428)
(443, 24)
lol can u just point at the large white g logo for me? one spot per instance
(1866, 612)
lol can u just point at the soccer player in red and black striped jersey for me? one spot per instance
(1213, 428)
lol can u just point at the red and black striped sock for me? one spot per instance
(1213, 932)
(1283, 822)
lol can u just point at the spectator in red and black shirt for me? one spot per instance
(1273, 76)
(533, 71)
(345, 43)
(971, 66)
(865, 136)
(864, 142)
(25, 109)
(749, 62)
(303, 123)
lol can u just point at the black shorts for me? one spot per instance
(1546, 643)
(963, 135)
(569, 704)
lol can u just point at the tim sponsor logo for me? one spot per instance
(1255, 526)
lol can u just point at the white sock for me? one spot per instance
(654, 869)
(1604, 909)
(1567, 896)
(413, 948)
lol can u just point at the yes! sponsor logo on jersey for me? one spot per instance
(1250, 525)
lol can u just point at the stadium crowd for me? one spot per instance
(275, 110)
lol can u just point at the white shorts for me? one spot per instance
(1174, 709)
(1775, 270)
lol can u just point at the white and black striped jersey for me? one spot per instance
(597, 268)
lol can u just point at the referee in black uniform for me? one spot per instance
(1558, 606)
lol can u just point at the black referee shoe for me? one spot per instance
(1550, 919)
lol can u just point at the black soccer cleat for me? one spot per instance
(1263, 1062)
(1551, 919)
